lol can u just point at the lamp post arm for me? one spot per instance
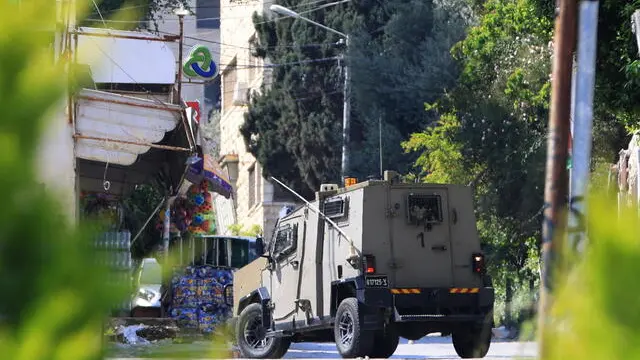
(322, 26)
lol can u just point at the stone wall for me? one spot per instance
(627, 170)
(236, 32)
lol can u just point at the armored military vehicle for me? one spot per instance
(364, 265)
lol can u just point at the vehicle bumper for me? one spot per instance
(432, 304)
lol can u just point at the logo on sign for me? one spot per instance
(199, 63)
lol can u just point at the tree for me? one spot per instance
(392, 44)
(239, 230)
(492, 130)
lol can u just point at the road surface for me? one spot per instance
(428, 348)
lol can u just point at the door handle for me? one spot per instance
(439, 248)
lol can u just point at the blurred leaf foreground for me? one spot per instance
(54, 295)
(596, 314)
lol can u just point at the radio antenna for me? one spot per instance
(353, 252)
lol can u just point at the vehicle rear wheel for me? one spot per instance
(251, 336)
(351, 340)
(472, 342)
(385, 342)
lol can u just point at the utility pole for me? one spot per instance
(582, 130)
(556, 184)
(181, 12)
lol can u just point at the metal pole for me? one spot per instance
(555, 192)
(166, 234)
(147, 222)
(346, 113)
(582, 130)
(181, 19)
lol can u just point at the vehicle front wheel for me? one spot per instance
(351, 340)
(251, 336)
(472, 342)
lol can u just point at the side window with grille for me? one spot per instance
(286, 241)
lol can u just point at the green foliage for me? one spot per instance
(493, 133)
(239, 230)
(398, 57)
(153, 10)
(55, 294)
(594, 314)
(138, 207)
(440, 159)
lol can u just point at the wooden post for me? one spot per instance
(556, 184)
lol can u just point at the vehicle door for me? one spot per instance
(285, 268)
(420, 238)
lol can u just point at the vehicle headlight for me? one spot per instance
(146, 294)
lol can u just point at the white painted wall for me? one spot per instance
(55, 164)
(55, 160)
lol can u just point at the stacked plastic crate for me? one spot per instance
(115, 248)
(213, 309)
(198, 301)
(184, 301)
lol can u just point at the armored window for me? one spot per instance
(286, 241)
(335, 208)
(424, 209)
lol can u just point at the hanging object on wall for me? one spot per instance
(202, 203)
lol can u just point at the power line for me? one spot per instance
(225, 17)
(208, 6)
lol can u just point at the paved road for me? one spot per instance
(427, 348)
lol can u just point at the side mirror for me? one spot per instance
(260, 246)
(228, 295)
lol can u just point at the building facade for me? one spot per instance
(257, 201)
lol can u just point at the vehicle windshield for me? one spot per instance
(230, 252)
(151, 274)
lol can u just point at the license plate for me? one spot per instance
(379, 281)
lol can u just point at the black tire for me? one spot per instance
(385, 342)
(472, 342)
(250, 336)
(351, 340)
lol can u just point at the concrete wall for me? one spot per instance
(55, 159)
(628, 170)
(55, 164)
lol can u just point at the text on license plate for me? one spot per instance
(376, 281)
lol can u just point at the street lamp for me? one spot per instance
(346, 110)
(181, 12)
